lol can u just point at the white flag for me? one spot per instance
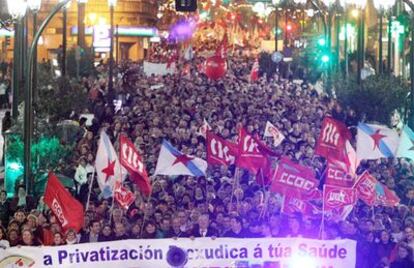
(172, 162)
(272, 131)
(376, 141)
(108, 167)
(406, 146)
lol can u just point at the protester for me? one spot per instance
(173, 107)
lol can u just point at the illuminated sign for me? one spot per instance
(4, 32)
(124, 31)
(101, 37)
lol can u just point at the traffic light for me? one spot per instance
(325, 58)
(186, 5)
(321, 42)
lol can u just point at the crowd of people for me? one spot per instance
(173, 107)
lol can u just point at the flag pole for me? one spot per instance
(90, 189)
(323, 214)
(145, 208)
(264, 208)
(236, 174)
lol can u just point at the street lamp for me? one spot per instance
(34, 6)
(330, 4)
(64, 37)
(360, 4)
(17, 10)
(382, 6)
(28, 103)
(81, 23)
(112, 4)
(276, 4)
(411, 118)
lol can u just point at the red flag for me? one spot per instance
(173, 57)
(336, 197)
(132, 161)
(292, 177)
(123, 195)
(220, 151)
(249, 156)
(337, 176)
(66, 208)
(221, 50)
(332, 139)
(365, 186)
(265, 174)
(254, 74)
(386, 197)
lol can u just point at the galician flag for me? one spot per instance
(172, 162)
(376, 141)
(108, 167)
(406, 146)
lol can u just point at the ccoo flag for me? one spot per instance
(66, 208)
(376, 141)
(108, 167)
(406, 146)
(172, 162)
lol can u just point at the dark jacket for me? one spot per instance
(404, 263)
(210, 232)
(85, 238)
(30, 204)
(172, 234)
(243, 233)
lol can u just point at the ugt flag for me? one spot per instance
(133, 162)
(66, 208)
(365, 186)
(123, 196)
(337, 197)
(406, 146)
(108, 167)
(376, 141)
(172, 162)
(332, 139)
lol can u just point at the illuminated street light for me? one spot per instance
(34, 5)
(17, 8)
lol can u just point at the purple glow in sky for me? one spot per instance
(182, 30)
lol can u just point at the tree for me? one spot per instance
(86, 66)
(378, 97)
(59, 97)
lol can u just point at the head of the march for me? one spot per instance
(177, 257)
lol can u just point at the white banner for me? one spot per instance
(158, 68)
(201, 252)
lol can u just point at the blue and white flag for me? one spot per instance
(172, 162)
(376, 141)
(108, 167)
(406, 146)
